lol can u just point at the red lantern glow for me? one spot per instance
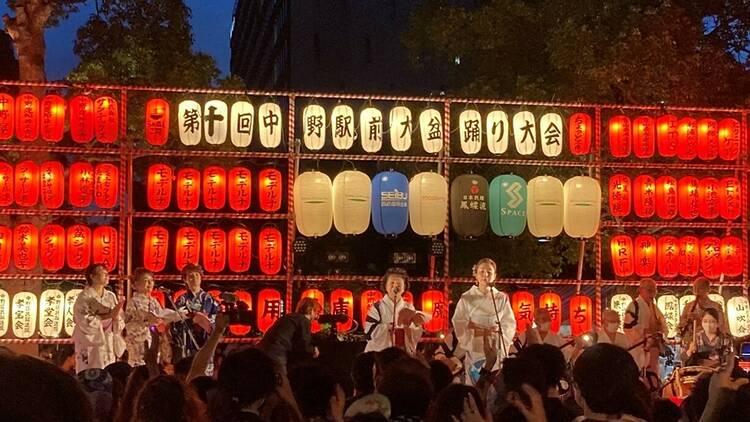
(27, 117)
(187, 247)
(27, 184)
(270, 190)
(553, 304)
(81, 184)
(623, 259)
(6, 184)
(581, 312)
(619, 195)
(52, 184)
(644, 138)
(105, 248)
(155, 248)
(669, 256)
(159, 187)
(688, 197)
(580, 133)
(78, 247)
(240, 249)
(52, 247)
(239, 329)
(366, 299)
(6, 247)
(159, 296)
(666, 135)
(105, 119)
(270, 308)
(156, 124)
(711, 264)
(106, 185)
(342, 303)
(644, 196)
(731, 256)
(408, 297)
(7, 114)
(523, 307)
(53, 118)
(214, 250)
(689, 260)
(82, 119)
(318, 296)
(666, 197)
(188, 189)
(645, 255)
(25, 246)
(239, 188)
(730, 198)
(708, 139)
(269, 250)
(214, 187)
(619, 136)
(687, 139)
(434, 303)
(729, 139)
(708, 192)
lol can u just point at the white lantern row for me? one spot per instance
(215, 120)
(53, 310)
(553, 207)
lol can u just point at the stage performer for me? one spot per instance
(382, 330)
(711, 345)
(645, 327)
(692, 313)
(142, 312)
(190, 334)
(541, 334)
(288, 341)
(97, 313)
(483, 312)
(609, 332)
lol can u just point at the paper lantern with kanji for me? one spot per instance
(581, 314)
(668, 256)
(716, 297)
(214, 187)
(27, 183)
(553, 304)
(688, 197)
(731, 256)
(545, 206)
(644, 196)
(81, 184)
(390, 201)
(239, 188)
(579, 127)
(738, 314)
(428, 203)
(270, 125)
(729, 139)
(52, 184)
(623, 255)
(687, 138)
(53, 118)
(188, 191)
(104, 247)
(6, 184)
(270, 189)
(620, 192)
(81, 119)
(190, 122)
(684, 300)
(159, 186)
(352, 191)
(214, 250)
(313, 203)
(524, 132)
(342, 303)
(708, 139)
(270, 250)
(270, 308)
(644, 138)
(619, 303)
(106, 185)
(730, 198)
(27, 117)
(523, 308)
(689, 259)
(366, 299)
(400, 127)
(51, 312)
(666, 197)
(239, 249)
(314, 127)
(25, 246)
(70, 300)
(7, 116)
(320, 298)
(645, 255)
(711, 265)
(242, 329)
(434, 303)
(582, 210)
(52, 247)
(497, 128)
(619, 136)
(24, 314)
(215, 121)
(709, 200)
(187, 247)
(155, 248)
(156, 123)
(669, 306)
(342, 127)
(78, 247)
(666, 135)
(6, 247)
(371, 129)
(508, 197)
(241, 126)
(106, 124)
(470, 131)
(551, 134)
(4, 312)
(469, 196)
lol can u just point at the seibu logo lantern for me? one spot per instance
(269, 190)
(581, 314)
(155, 248)
(187, 247)
(270, 308)
(523, 308)
(390, 199)
(78, 247)
(52, 247)
(159, 186)
(270, 250)
(53, 118)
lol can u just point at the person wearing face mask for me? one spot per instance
(646, 325)
(692, 313)
(609, 333)
(392, 321)
(711, 344)
(541, 334)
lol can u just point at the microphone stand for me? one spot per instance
(187, 329)
(503, 349)
(393, 329)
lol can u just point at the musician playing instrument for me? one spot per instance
(645, 324)
(693, 312)
(540, 333)
(609, 333)
(711, 344)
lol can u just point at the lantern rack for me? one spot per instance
(515, 162)
(362, 157)
(62, 150)
(672, 224)
(60, 213)
(140, 153)
(224, 277)
(213, 215)
(674, 166)
(66, 341)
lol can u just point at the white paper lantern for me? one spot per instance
(524, 132)
(684, 300)
(4, 312)
(270, 125)
(545, 206)
(242, 119)
(70, 300)
(51, 312)
(551, 134)
(371, 129)
(497, 131)
(718, 299)
(352, 191)
(314, 127)
(24, 314)
(215, 122)
(669, 306)
(428, 203)
(583, 202)
(313, 203)
(342, 127)
(619, 303)
(470, 131)
(399, 128)
(431, 130)
(738, 313)
(190, 122)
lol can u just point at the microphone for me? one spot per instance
(162, 288)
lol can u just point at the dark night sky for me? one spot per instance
(212, 22)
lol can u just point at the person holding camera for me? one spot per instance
(191, 333)
(289, 340)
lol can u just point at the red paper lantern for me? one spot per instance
(708, 192)
(434, 303)
(644, 196)
(82, 119)
(240, 249)
(105, 247)
(7, 116)
(581, 312)
(687, 189)
(239, 188)
(187, 247)
(27, 117)
(619, 136)
(105, 119)
(623, 259)
(644, 138)
(25, 246)
(708, 139)
(52, 184)
(214, 250)
(214, 187)
(156, 123)
(523, 307)
(52, 247)
(27, 184)
(106, 185)
(270, 308)
(6, 247)
(689, 259)
(580, 133)
(188, 189)
(666, 197)
(270, 190)
(6, 184)
(687, 139)
(159, 187)
(53, 118)
(159, 296)
(241, 330)
(366, 299)
(318, 296)
(666, 135)
(619, 195)
(729, 139)
(711, 264)
(730, 198)
(269, 250)
(668, 256)
(81, 184)
(342, 303)
(155, 248)
(645, 255)
(78, 247)
(553, 304)
(731, 256)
